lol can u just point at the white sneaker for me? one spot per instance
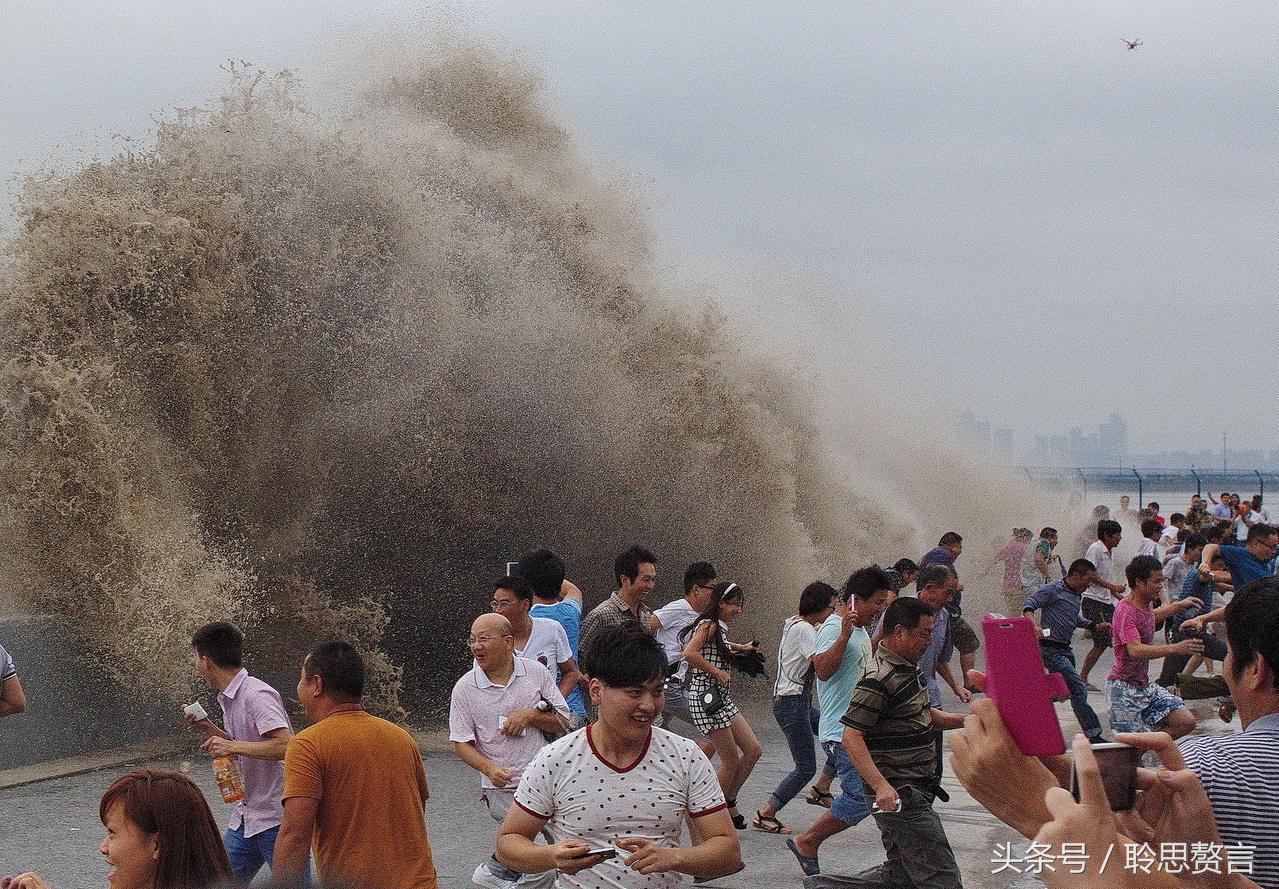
(489, 880)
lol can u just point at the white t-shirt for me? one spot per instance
(584, 797)
(1147, 547)
(674, 617)
(1105, 562)
(795, 655)
(547, 643)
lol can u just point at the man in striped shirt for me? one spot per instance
(1240, 770)
(889, 734)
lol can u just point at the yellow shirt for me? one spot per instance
(367, 773)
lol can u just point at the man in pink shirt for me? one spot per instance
(1136, 703)
(257, 731)
(497, 714)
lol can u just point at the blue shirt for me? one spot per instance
(938, 651)
(1244, 567)
(1198, 589)
(568, 614)
(1059, 607)
(835, 694)
(940, 556)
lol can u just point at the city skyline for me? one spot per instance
(1107, 446)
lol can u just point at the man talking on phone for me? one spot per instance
(614, 795)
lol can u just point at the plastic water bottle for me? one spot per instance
(228, 775)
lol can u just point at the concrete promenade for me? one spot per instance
(51, 825)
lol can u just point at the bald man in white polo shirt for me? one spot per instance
(498, 712)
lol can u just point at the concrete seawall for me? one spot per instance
(73, 706)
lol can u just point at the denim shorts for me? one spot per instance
(1139, 708)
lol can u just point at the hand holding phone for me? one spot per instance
(1018, 684)
(1118, 766)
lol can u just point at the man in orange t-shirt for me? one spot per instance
(354, 786)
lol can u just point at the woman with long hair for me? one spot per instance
(160, 835)
(709, 657)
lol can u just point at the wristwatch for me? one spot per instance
(543, 706)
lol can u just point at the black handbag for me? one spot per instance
(712, 701)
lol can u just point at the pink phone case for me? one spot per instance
(1020, 686)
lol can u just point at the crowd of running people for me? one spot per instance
(566, 717)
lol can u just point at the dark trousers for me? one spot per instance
(919, 855)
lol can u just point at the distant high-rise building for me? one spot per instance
(1112, 441)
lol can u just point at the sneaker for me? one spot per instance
(485, 877)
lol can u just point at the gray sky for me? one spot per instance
(996, 205)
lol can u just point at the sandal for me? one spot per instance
(819, 798)
(807, 863)
(768, 823)
(739, 820)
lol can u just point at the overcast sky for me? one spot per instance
(996, 205)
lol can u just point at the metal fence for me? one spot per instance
(1150, 481)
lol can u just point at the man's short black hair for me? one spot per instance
(1080, 567)
(624, 656)
(1152, 506)
(544, 572)
(906, 611)
(341, 668)
(1106, 527)
(1193, 541)
(1252, 626)
(1047, 532)
(221, 643)
(933, 575)
(1151, 526)
(950, 538)
(699, 574)
(1176, 517)
(627, 563)
(1141, 568)
(866, 582)
(1261, 531)
(815, 598)
(901, 566)
(516, 584)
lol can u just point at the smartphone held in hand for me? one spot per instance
(1118, 764)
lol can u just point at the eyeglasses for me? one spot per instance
(483, 640)
(498, 603)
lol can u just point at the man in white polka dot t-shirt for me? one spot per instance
(623, 784)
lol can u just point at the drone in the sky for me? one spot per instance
(1132, 44)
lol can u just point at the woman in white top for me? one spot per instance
(793, 706)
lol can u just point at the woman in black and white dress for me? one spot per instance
(709, 657)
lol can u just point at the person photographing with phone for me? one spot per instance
(587, 788)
